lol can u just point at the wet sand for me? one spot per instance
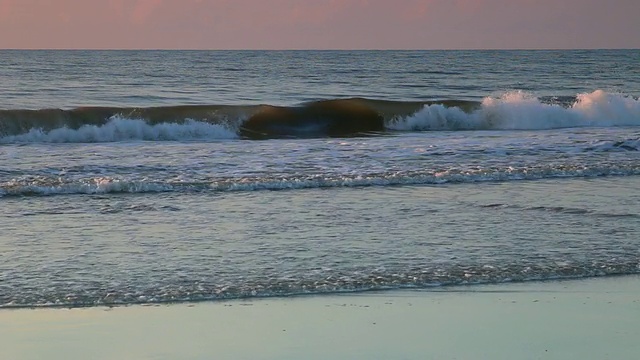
(581, 319)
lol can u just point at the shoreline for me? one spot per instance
(472, 287)
(592, 318)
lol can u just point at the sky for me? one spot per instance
(319, 24)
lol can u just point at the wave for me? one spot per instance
(48, 186)
(612, 146)
(326, 118)
(318, 283)
(522, 111)
(333, 118)
(562, 210)
(119, 129)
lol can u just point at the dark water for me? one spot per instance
(132, 177)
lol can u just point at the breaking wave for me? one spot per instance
(120, 129)
(317, 283)
(523, 111)
(47, 186)
(327, 118)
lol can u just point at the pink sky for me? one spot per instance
(319, 24)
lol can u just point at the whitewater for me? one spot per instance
(251, 174)
(515, 110)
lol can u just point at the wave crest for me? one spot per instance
(48, 186)
(522, 111)
(122, 129)
(325, 118)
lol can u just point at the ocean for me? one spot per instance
(132, 177)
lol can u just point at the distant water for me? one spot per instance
(159, 176)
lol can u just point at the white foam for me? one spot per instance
(604, 109)
(106, 185)
(123, 129)
(522, 111)
(92, 186)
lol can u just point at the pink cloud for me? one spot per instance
(5, 8)
(118, 6)
(143, 9)
(277, 24)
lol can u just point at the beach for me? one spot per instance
(426, 204)
(572, 319)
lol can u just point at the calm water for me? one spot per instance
(132, 177)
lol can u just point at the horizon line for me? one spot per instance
(317, 49)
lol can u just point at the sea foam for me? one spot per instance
(124, 129)
(515, 110)
(107, 185)
(522, 111)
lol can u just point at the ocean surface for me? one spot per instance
(133, 177)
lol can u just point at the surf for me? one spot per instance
(95, 185)
(516, 110)
(520, 110)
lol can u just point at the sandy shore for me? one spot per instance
(583, 319)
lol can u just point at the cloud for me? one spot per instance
(215, 24)
(5, 8)
(143, 9)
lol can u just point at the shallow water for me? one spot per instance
(87, 249)
(538, 183)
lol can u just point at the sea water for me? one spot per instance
(164, 176)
